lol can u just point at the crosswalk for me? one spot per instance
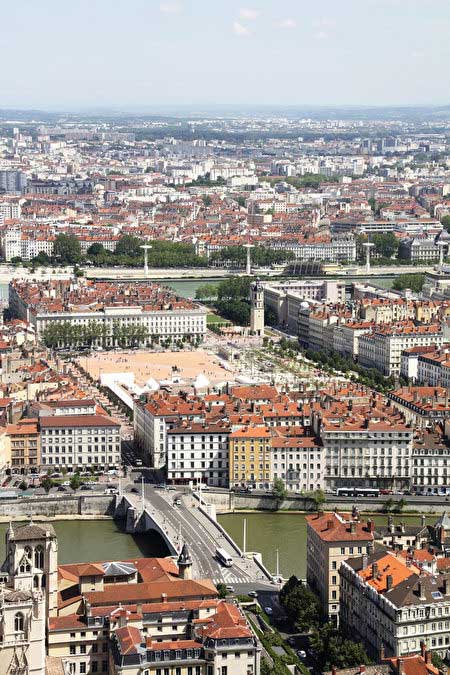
(232, 579)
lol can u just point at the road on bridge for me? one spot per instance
(202, 537)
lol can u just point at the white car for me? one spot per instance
(268, 610)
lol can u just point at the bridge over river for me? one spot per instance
(190, 523)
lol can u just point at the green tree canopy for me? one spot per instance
(412, 281)
(333, 648)
(301, 605)
(67, 249)
(129, 245)
(96, 249)
(386, 244)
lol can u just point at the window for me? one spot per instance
(73, 649)
(82, 649)
(39, 557)
(83, 667)
(19, 622)
(104, 666)
(224, 670)
(94, 666)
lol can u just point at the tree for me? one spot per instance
(279, 489)
(437, 661)
(413, 281)
(129, 245)
(42, 258)
(301, 605)
(67, 249)
(222, 590)
(23, 486)
(207, 201)
(334, 648)
(75, 481)
(96, 249)
(47, 484)
(386, 245)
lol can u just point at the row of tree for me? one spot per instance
(259, 255)
(65, 334)
(128, 252)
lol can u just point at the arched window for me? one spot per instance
(43, 581)
(27, 551)
(24, 565)
(39, 558)
(19, 622)
(35, 581)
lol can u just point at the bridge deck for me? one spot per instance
(186, 523)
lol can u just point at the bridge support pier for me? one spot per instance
(131, 522)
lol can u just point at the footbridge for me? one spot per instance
(184, 518)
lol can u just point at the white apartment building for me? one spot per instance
(430, 462)
(299, 462)
(153, 420)
(374, 452)
(173, 322)
(286, 298)
(336, 250)
(80, 441)
(13, 244)
(346, 337)
(198, 453)
(382, 349)
(390, 606)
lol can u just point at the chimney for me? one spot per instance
(423, 649)
(333, 670)
(421, 590)
(370, 525)
(446, 586)
(364, 561)
(374, 570)
(362, 668)
(163, 597)
(428, 657)
(139, 608)
(352, 528)
(401, 666)
(330, 524)
(389, 582)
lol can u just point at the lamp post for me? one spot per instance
(146, 248)
(368, 245)
(248, 268)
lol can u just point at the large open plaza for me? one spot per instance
(186, 365)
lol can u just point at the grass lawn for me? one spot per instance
(216, 319)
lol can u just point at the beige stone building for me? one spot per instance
(332, 538)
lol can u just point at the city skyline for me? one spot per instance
(193, 52)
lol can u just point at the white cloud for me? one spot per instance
(326, 23)
(321, 35)
(248, 13)
(170, 7)
(287, 23)
(239, 29)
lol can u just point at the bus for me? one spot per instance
(223, 557)
(357, 492)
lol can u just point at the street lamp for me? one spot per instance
(146, 248)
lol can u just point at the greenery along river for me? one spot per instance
(86, 540)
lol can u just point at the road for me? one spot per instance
(189, 525)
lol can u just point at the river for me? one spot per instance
(90, 540)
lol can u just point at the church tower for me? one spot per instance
(32, 561)
(184, 563)
(257, 308)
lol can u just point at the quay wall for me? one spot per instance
(55, 507)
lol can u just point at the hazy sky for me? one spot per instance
(137, 53)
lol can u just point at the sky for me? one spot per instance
(133, 54)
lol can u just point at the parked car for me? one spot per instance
(301, 654)
(252, 594)
(268, 610)
(230, 589)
